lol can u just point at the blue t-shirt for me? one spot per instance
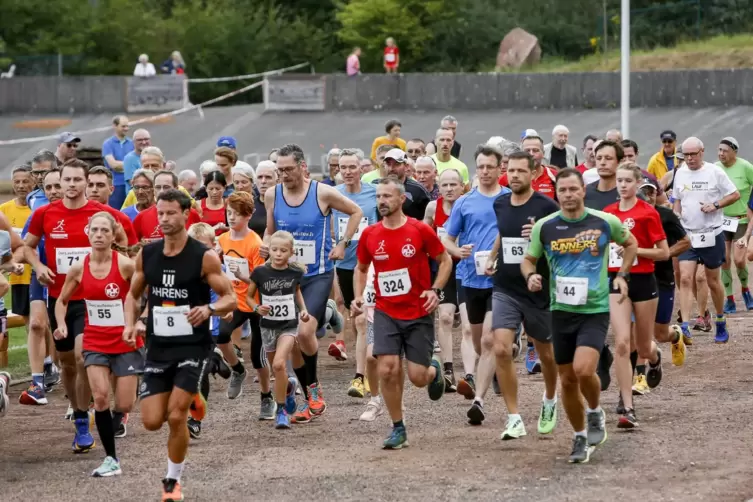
(118, 149)
(131, 164)
(131, 212)
(472, 221)
(366, 200)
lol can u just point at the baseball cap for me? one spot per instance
(227, 141)
(648, 182)
(397, 155)
(529, 133)
(68, 137)
(731, 142)
(668, 135)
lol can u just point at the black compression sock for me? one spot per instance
(266, 394)
(302, 376)
(103, 420)
(397, 424)
(359, 376)
(80, 414)
(238, 368)
(310, 365)
(633, 359)
(640, 369)
(448, 366)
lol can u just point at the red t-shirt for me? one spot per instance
(582, 168)
(390, 56)
(440, 218)
(147, 227)
(644, 223)
(401, 270)
(66, 236)
(213, 216)
(544, 184)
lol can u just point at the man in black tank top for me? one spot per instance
(179, 272)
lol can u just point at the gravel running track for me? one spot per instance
(692, 444)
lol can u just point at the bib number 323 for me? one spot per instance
(572, 290)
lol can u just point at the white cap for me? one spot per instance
(530, 133)
(397, 155)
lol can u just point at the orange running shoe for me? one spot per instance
(171, 491)
(198, 408)
(302, 414)
(316, 399)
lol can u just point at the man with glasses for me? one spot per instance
(146, 223)
(664, 160)
(143, 187)
(415, 148)
(132, 160)
(67, 145)
(333, 167)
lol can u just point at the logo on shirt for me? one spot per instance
(380, 254)
(58, 231)
(168, 280)
(168, 291)
(112, 290)
(409, 251)
(156, 233)
(587, 240)
(629, 223)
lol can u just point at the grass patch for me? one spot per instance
(18, 360)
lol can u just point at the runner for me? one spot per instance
(735, 223)
(426, 174)
(643, 222)
(102, 280)
(470, 237)
(213, 206)
(405, 298)
(64, 225)
(143, 186)
(364, 195)
(512, 303)
(99, 184)
(179, 272)
(437, 214)
(266, 178)
(443, 158)
(302, 207)
(575, 241)
(146, 224)
(701, 189)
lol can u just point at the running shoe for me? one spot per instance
(748, 299)
(51, 376)
(198, 408)
(729, 306)
(397, 439)
(282, 420)
(467, 387)
(194, 428)
(476, 413)
(316, 399)
(514, 429)
(687, 338)
(654, 373)
(450, 385)
(374, 408)
(581, 451)
(119, 423)
(303, 414)
(722, 335)
(437, 347)
(531, 359)
(290, 397)
(627, 420)
(436, 386)
(171, 491)
(703, 323)
(620, 410)
(268, 409)
(605, 364)
(33, 396)
(640, 387)
(238, 353)
(219, 365)
(597, 430)
(83, 441)
(678, 349)
(69, 413)
(356, 388)
(4, 400)
(337, 350)
(235, 387)
(110, 467)
(336, 321)
(547, 418)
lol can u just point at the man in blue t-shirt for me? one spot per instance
(114, 150)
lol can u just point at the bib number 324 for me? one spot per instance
(394, 283)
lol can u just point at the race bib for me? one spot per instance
(441, 232)
(105, 313)
(615, 260)
(730, 223)
(514, 249)
(171, 321)
(369, 296)
(304, 252)
(389, 57)
(281, 308)
(342, 224)
(571, 290)
(232, 264)
(479, 259)
(66, 257)
(702, 240)
(394, 283)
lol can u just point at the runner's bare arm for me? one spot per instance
(269, 205)
(450, 243)
(629, 252)
(679, 247)
(528, 269)
(250, 295)
(431, 209)
(72, 282)
(658, 253)
(126, 266)
(445, 269)
(335, 200)
(299, 301)
(218, 281)
(133, 299)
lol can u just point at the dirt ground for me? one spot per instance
(693, 444)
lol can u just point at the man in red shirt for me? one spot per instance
(65, 225)
(543, 176)
(146, 223)
(589, 161)
(391, 56)
(405, 298)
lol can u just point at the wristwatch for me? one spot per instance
(143, 320)
(624, 275)
(346, 242)
(716, 204)
(211, 308)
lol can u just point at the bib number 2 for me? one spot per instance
(702, 240)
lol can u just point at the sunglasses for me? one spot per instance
(667, 141)
(72, 145)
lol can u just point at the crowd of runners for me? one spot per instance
(145, 300)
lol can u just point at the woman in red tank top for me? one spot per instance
(213, 207)
(101, 281)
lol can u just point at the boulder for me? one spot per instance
(518, 48)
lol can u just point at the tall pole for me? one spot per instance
(625, 68)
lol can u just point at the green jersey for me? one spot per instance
(741, 174)
(578, 253)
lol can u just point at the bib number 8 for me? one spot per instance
(171, 321)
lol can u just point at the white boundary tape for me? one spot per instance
(185, 109)
(246, 77)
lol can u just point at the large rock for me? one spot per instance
(518, 48)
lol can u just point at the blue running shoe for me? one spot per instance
(290, 398)
(722, 335)
(729, 306)
(530, 359)
(83, 441)
(748, 299)
(397, 439)
(283, 419)
(33, 396)
(686, 336)
(436, 386)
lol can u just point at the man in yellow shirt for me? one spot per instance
(392, 128)
(444, 140)
(664, 160)
(17, 211)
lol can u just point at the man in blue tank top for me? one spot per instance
(302, 207)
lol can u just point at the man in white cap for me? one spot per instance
(416, 196)
(559, 153)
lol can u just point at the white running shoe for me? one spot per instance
(374, 408)
(514, 429)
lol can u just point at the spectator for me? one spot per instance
(353, 63)
(451, 123)
(132, 160)
(559, 153)
(114, 150)
(188, 180)
(391, 56)
(665, 160)
(273, 155)
(67, 145)
(392, 128)
(175, 65)
(144, 68)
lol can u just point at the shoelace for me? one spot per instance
(548, 412)
(314, 393)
